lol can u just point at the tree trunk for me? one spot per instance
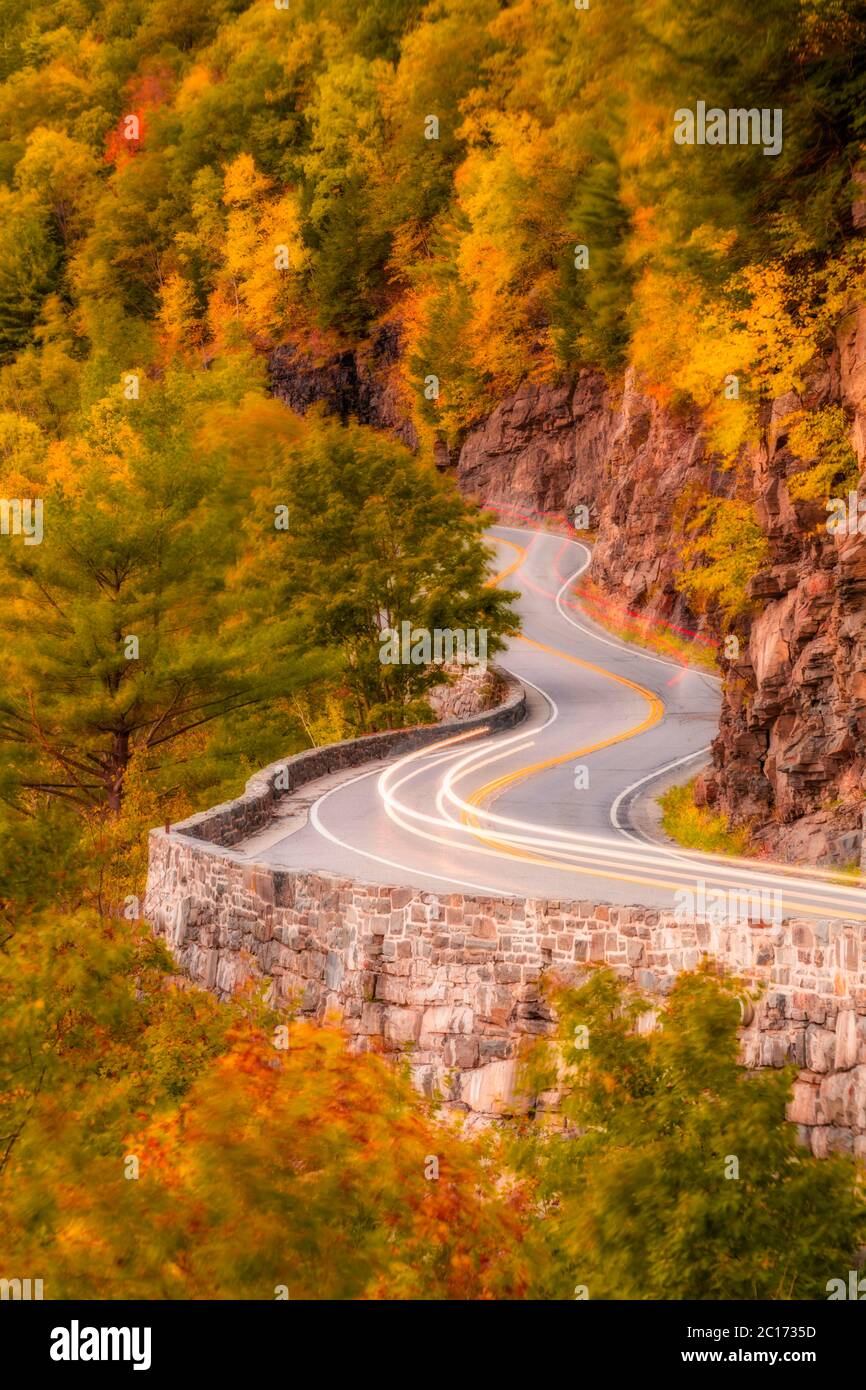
(117, 770)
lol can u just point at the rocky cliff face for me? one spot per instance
(790, 756)
(613, 450)
(543, 448)
(791, 752)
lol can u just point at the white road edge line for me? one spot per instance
(470, 762)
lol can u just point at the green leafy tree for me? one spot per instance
(679, 1176)
(29, 262)
(728, 548)
(822, 437)
(124, 631)
(593, 302)
(348, 249)
(378, 539)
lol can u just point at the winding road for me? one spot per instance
(547, 810)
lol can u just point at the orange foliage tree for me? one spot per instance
(157, 1144)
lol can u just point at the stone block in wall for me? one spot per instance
(634, 951)
(209, 967)
(260, 881)
(843, 1098)
(647, 980)
(310, 997)
(391, 990)
(435, 1021)
(311, 964)
(491, 1089)
(176, 930)
(460, 1051)
(829, 1139)
(850, 1040)
(804, 1108)
(495, 1004)
(425, 1078)
(750, 1048)
(507, 974)
(335, 969)
(231, 974)
(776, 1049)
(820, 1048)
(442, 1019)
(372, 1019)
(401, 1027)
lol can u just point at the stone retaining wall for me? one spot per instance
(453, 981)
(234, 821)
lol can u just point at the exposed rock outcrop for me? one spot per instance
(609, 448)
(471, 692)
(359, 383)
(545, 447)
(791, 752)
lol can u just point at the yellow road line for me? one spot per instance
(494, 787)
(656, 713)
(503, 574)
(490, 789)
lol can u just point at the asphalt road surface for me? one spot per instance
(548, 809)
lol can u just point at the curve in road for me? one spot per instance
(544, 812)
